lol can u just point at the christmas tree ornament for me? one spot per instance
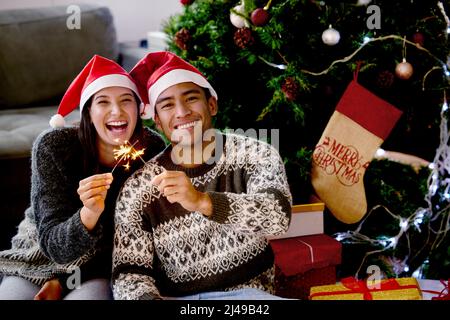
(186, 2)
(331, 36)
(259, 17)
(363, 2)
(385, 79)
(290, 88)
(418, 38)
(243, 38)
(404, 70)
(237, 15)
(357, 128)
(182, 38)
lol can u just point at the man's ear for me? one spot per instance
(212, 106)
(157, 122)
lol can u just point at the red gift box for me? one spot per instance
(304, 262)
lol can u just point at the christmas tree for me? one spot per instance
(284, 64)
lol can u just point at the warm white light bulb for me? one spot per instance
(363, 2)
(393, 242)
(404, 224)
(380, 152)
(433, 189)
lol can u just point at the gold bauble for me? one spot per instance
(404, 70)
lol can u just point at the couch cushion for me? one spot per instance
(40, 55)
(20, 127)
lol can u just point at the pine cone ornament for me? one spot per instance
(243, 38)
(385, 79)
(290, 88)
(182, 38)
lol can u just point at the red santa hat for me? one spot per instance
(99, 73)
(158, 71)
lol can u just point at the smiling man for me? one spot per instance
(192, 224)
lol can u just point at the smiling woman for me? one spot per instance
(113, 113)
(65, 240)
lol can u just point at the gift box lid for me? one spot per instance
(301, 254)
(306, 219)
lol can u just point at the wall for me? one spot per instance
(133, 18)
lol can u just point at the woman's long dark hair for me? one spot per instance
(88, 138)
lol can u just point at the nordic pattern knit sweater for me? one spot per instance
(161, 249)
(52, 240)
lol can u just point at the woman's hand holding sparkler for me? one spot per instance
(92, 192)
(93, 189)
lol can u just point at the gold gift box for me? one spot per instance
(388, 289)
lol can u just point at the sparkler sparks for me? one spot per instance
(126, 153)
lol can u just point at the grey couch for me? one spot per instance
(39, 57)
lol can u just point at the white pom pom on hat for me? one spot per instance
(158, 71)
(99, 73)
(57, 121)
(145, 111)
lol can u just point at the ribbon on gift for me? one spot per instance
(441, 294)
(360, 286)
(311, 249)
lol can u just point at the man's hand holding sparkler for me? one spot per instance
(92, 192)
(177, 187)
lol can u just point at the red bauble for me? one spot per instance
(418, 38)
(259, 17)
(186, 2)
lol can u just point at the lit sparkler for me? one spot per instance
(126, 153)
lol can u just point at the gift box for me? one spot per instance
(353, 289)
(306, 219)
(304, 262)
(435, 289)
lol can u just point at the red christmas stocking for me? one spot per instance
(357, 128)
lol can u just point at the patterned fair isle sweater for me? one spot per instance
(161, 249)
(51, 240)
